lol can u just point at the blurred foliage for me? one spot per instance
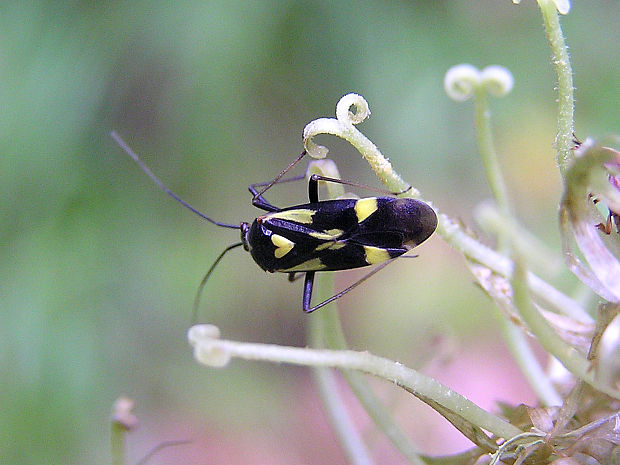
(99, 268)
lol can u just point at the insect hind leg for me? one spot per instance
(307, 295)
(308, 292)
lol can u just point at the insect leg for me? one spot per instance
(309, 309)
(294, 276)
(313, 188)
(307, 296)
(258, 200)
(315, 178)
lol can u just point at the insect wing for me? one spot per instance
(339, 234)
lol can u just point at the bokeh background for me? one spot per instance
(99, 268)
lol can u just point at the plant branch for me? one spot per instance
(335, 340)
(448, 229)
(341, 421)
(206, 346)
(565, 136)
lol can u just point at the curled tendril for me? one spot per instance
(122, 413)
(497, 80)
(344, 113)
(341, 126)
(563, 6)
(463, 81)
(209, 354)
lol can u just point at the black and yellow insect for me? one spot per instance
(328, 235)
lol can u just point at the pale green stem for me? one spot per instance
(537, 254)
(117, 443)
(325, 330)
(454, 235)
(570, 357)
(335, 339)
(341, 421)
(514, 337)
(561, 61)
(354, 448)
(449, 229)
(487, 151)
(526, 359)
(411, 380)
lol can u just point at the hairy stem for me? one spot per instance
(421, 385)
(561, 62)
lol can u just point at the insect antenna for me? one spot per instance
(206, 277)
(162, 186)
(165, 188)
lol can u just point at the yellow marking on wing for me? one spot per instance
(328, 235)
(314, 264)
(323, 246)
(334, 232)
(375, 255)
(283, 245)
(330, 245)
(299, 215)
(365, 207)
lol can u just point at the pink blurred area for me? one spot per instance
(483, 372)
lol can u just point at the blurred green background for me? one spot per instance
(99, 268)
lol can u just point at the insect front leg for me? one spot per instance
(259, 201)
(313, 188)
